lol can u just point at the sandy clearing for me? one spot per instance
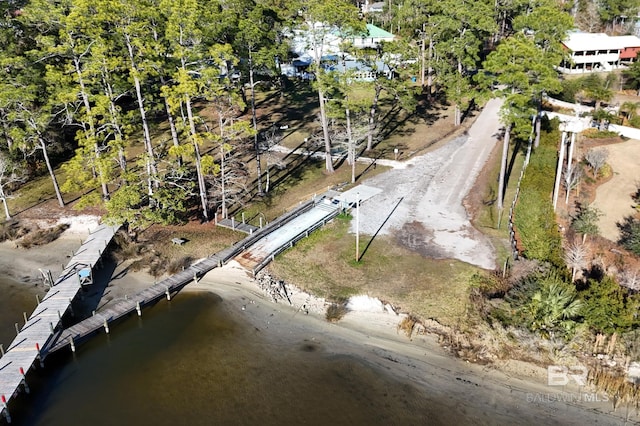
(613, 198)
(428, 194)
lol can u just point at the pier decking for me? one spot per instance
(148, 296)
(40, 335)
(39, 328)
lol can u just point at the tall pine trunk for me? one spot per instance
(325, 133)
(151, 162)
(200, 176)
(256, 147)
(92, 131)
(372, 117)
(54, 180)
(503, 169)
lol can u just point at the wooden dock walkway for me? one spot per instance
(135, 303)
(237, 226)
(164, 288)
(41, 335)
(41, 326)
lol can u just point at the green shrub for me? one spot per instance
(608, 307)
(599, 134)
(534, 216)
(630, 234)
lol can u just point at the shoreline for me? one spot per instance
(514, 392)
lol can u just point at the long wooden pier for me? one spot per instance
(165, 288)
(41, 326)
(135, 303)
(41, 335)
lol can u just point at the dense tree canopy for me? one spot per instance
(142, 102)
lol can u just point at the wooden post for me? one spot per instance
(167, 293)
(242, 217)
(260, 222)
(38, 299)
(39, 357)
(71, 307)
(358, 226)
(24, 380)
(1, 349)
(7, 416)
(24, 314)
(105, 324)
(138, 309)
(17, 329)
(195, 278)
(51, 327)
(233, 223)
(59, 315)
(73, 344)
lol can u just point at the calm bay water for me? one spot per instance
(190, 362)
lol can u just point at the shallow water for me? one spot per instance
(191, 362)
(15, 298)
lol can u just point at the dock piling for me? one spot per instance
(17, 328)
(167, 293)
(138, 309)
(7, 416)
(24, 315)
(38, 299)
(24, 380)
(39, 357)
(1, 349)
(73, 344)
(106, 326)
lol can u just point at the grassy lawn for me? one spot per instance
(324, 265)
(486, 215)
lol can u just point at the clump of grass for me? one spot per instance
(12, 231)
(178, 265)
(41, 237)
(126, 248)
(407, 325)
(336, 311)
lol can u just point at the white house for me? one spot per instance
(591, 52)
(302, 46)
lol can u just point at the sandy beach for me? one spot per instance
(455, 391)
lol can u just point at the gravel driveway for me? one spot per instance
(420, 203)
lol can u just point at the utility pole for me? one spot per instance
(357, 226)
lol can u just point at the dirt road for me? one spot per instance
(421, 204)
(613, 198)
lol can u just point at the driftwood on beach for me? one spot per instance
(274, 288)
